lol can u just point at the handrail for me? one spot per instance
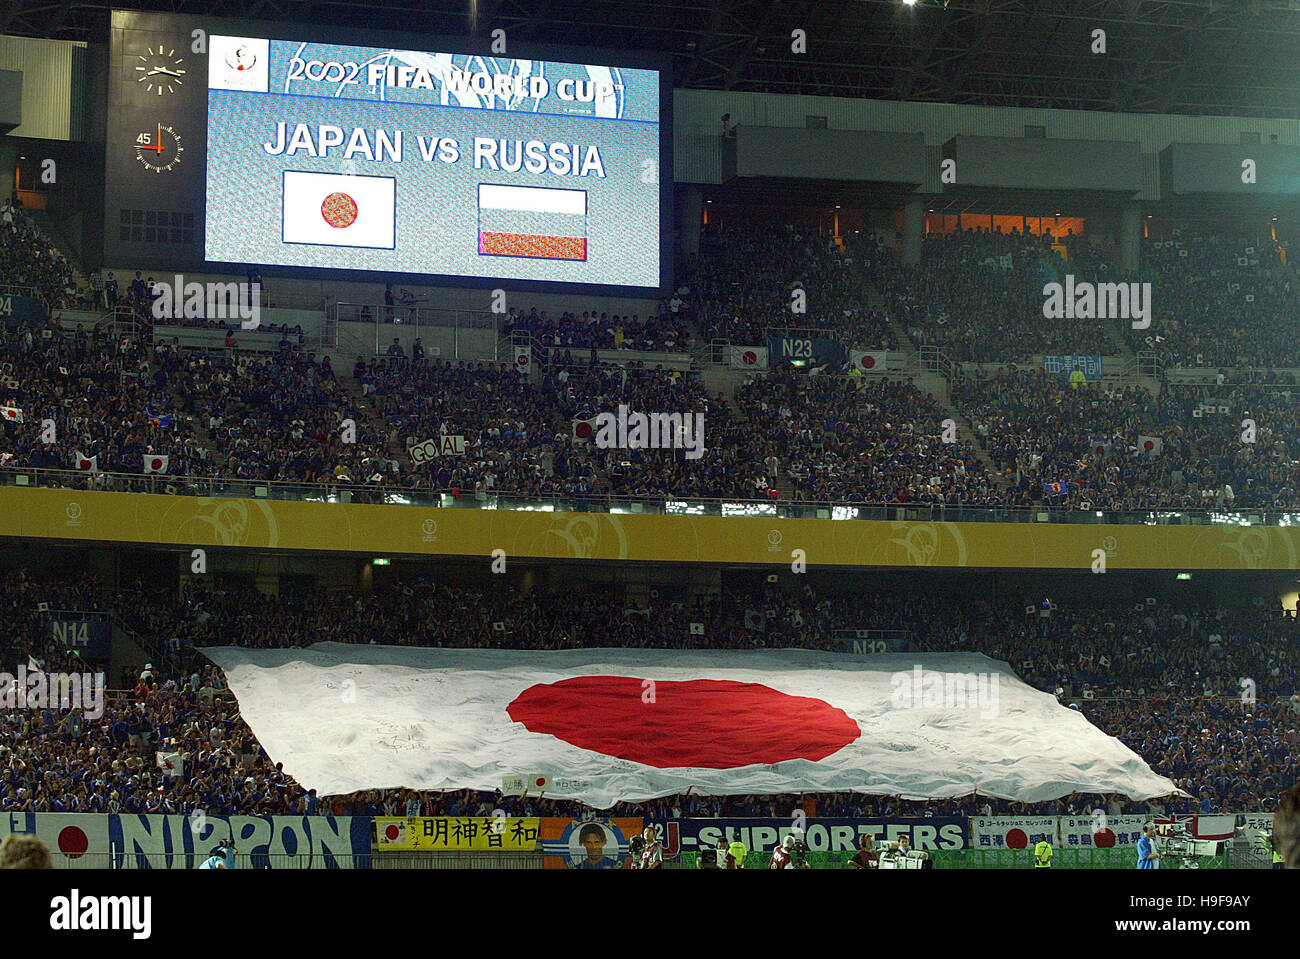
(931, 359)
(664, 504)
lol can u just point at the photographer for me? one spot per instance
(223, 857)
(635, 849)
(715, 858)
(652, 855)
(792, 854)
(865, 857)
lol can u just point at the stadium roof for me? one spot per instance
(1196, 57)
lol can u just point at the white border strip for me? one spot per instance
(532, 199)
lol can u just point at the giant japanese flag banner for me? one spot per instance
(336, 209)
(631, 725)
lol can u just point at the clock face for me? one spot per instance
(159, 149)
(159, 71)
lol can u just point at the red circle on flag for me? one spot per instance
(339, 210)
(155, 464)
(749, 358)
(584, 431)
(868, 362)
(1148, 446)
(540, 782)
(705, 723)
(391, 832)
(73, 842)
(522, 359)
(1104, 839)
(1016, 839)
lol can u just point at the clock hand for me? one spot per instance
(171, 73)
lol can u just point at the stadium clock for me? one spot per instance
(159, 72)
(159, 150)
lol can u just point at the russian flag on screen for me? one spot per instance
(338, 209)
(532, 221)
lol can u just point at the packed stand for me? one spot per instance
(28, 259)
(978, 296)
(868, 441)
(742, 283)
(1124, 449)
(1179, 673)
(1219, 301)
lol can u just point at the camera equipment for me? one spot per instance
(635, 847)
(799, 853)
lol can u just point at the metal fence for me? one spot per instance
(412, 316)
(1120, 857)
(378, 860)
(659, 506)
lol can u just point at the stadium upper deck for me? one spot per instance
(219, 422)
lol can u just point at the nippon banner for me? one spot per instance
(1066, 832)
(456, 834)
(822, 834)
(183, 842)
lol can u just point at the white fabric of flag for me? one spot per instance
(631, 725)
(335, 209)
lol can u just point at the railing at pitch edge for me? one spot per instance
(662, 505)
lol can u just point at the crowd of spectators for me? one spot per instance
(668, 330)
(1168, 683)
(225, 417)
(747, 280)
(978, 296)
(28, 259)
(848, 440)
(1040, 430)
(1219, 301)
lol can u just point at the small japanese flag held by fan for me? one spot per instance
(11, 413)
(155, 464)
(171, 764)
(87, 464)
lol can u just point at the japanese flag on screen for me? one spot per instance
(336, 209)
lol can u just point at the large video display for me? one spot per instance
(317, 155)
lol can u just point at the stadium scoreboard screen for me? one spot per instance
(241, 145)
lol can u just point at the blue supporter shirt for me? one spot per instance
(1144, 852)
